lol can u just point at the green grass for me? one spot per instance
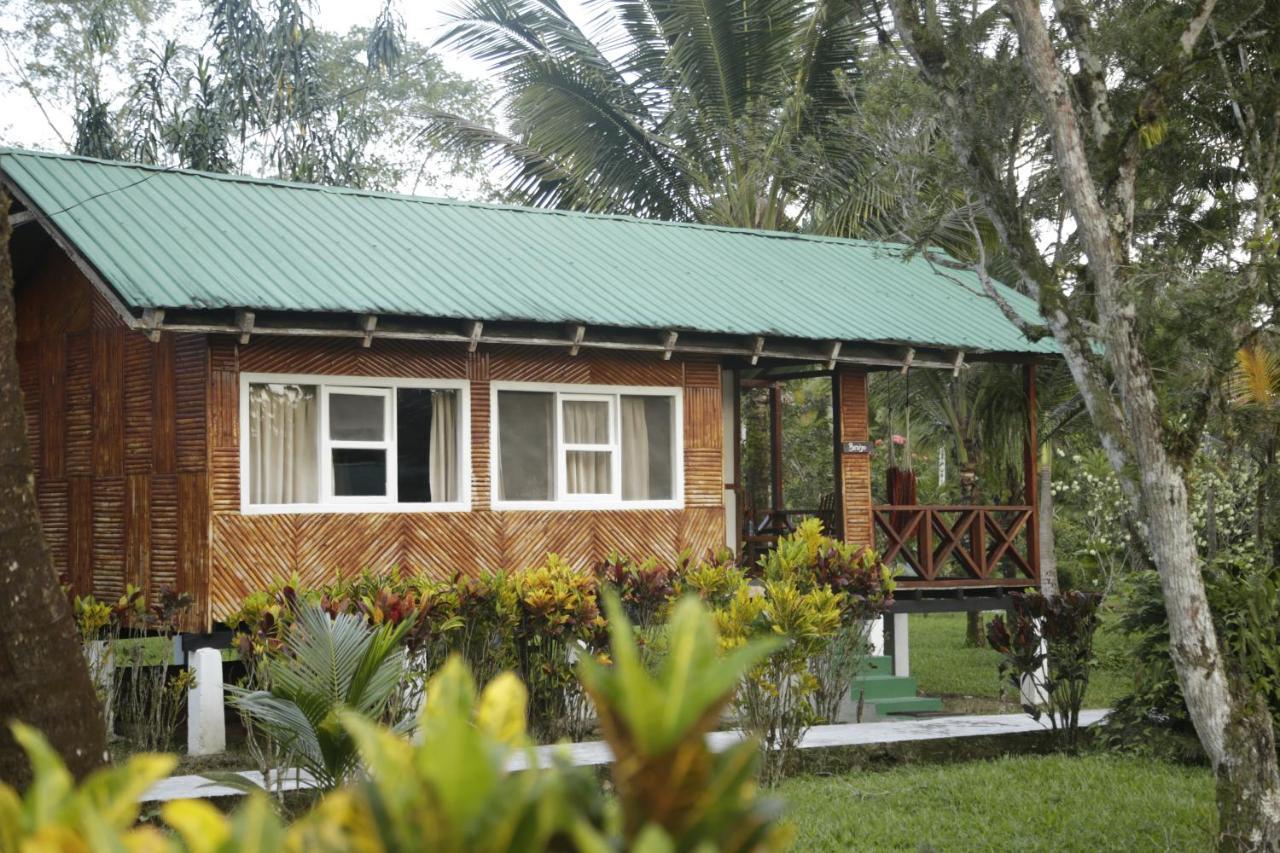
(1051, 803)
(967, 679)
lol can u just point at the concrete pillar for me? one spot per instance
(1030, 692)
(901, 646)
(206, 711)
(875, 636)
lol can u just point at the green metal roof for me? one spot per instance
(179, 239)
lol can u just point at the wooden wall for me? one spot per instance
(116, 426)
(249, 551)
(855, 468)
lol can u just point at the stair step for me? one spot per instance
(880, 664)
(876, 687)
(910, 705)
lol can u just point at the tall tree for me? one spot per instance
(44, 678)
(1156, 127)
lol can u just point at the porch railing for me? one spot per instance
(957, 545)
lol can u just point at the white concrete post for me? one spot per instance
(1031, 693)
(901, 646)
(206, 712)
(875, 636)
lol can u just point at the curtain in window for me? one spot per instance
(283, 455)
(444, 446)
(587, 471)
(635, 450)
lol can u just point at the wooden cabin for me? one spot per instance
(230, 380)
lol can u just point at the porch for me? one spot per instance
(947, 556)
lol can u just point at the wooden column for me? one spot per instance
(855, 468)
(775, 442)
(837, 478)
(1030, 472)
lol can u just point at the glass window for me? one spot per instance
(357, 417)
(648, 459)
(283, 444)
(526, 440)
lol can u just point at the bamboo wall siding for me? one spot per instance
(116, 426)
(855, 468)
(250, 551)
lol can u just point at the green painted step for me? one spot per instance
(910, 705)
(880, 664)
(876, 687)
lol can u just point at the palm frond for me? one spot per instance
(1255, 378)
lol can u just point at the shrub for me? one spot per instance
(1046, 654)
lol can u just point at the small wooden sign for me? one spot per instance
(860, 447)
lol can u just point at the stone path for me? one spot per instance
(595, 753)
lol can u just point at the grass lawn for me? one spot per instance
(1051, 803)
(966, 678)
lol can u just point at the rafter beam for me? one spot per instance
(473, 339)
(22, 217)
(756, 349)
(152, 320)
(834, 354)
(907, 359)
(244, 322)
(957, 364)
(670, 345)
(579, 332)
(368, 322)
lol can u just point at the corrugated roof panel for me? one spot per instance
(176, 239)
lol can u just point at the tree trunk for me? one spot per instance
(1248, 802)
(44, 679)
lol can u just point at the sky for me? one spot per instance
(22, 124)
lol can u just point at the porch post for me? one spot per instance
(1030, 468)
(775, 442)
(854, 490)
(731, 454)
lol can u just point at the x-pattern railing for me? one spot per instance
(987, 544)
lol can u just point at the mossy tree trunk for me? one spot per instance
(44, 679)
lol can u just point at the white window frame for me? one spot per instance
(327, 384)
(613, 394)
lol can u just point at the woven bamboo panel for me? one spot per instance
(701, 531)
(224, 409)
(702, 372)
(80, 534)
(637, 534)
(481, 488)
(107, 348)
(164, 531)
(445, 544)
(51, 499)
(346, 357)
(137, 531)
(164, 408)
(570, 534)
(53, 301)
(29, 383)
(224, 353)
(52, 446)
(79, 410)
(193, 537)
(191, 378)
(224, 479)
(104, 315)
(703, 477)
(855, 469)
(523, 537)
(634, 369)
(338, 545)
(538, 364)
(139, 382)
(703, 422)
(107, 547)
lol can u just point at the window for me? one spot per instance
(322, 444)
(585, 446)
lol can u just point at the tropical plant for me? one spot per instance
(1046, 654)
(326, 664)
(712, 112)
(675, 793)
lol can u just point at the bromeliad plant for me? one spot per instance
(326, 664)
(1046, 654)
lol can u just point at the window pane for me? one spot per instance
(426, 445)
(283, 451)
(359, 472)
(356, 417)
(648, 453)
(526, 437)
(586, 422)
(587, 472)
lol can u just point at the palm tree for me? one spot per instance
(692, 111)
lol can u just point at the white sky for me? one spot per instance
(22, 125)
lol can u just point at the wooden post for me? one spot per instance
(837, 448)
(1030, 471)
(775, 434)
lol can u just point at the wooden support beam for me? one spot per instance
(22, 217)
(907, 359)
(757, 349)
(579, 332)
(474, 338)
(244, 322)
(152, 319)
(670, 345)
(835, 353)
(1030, 468)
(368, 322)
(957, 364)
(775, 443)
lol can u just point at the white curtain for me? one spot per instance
(587, 471)
(283, 455)
(444, 446)
(635, 450)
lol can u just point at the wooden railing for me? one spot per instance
(958, 545)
